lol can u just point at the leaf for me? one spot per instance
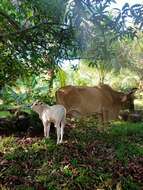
(34, 81)
(62, 77)
(125, 6)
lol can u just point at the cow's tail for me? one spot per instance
(57, 97)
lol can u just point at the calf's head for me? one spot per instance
(36, 105)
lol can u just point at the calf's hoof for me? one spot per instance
(60, 142)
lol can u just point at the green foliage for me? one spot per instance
(33, 38)
(26, 91)
(99, 31)
(5, 114)
(123, 79)
(37, 35)
(129, 184)
(62, 77)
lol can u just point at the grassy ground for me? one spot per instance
(88, 159)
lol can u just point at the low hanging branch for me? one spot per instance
(10, 20)
(24, 30)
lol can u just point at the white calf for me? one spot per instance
(48, 114)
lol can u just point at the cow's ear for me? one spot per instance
(133, 90)
(131, 93)
(124, 98)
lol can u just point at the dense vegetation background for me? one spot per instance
(46, 44)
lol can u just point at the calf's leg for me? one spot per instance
(58, 132)
(62, 130)
(47, 130)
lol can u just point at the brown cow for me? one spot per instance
(101, 100)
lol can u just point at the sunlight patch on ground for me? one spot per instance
(1, 101)
(138, 104)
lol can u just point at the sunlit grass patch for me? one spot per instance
(139, 103)
(7, 144)
(127, 129)
(126, 150)
(127, 139)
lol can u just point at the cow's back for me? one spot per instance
(66, 95)
(88, 100)
(85, 100)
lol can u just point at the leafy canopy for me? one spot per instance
(35, 36)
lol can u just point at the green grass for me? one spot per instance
(127, 139)
(88, 159)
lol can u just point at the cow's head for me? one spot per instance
(128, 99)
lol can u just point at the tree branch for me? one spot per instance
(25, 30)
(10, 20)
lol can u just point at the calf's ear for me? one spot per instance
(124, 98)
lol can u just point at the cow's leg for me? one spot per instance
(105, 118)
(100, 121)
(74, 112)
